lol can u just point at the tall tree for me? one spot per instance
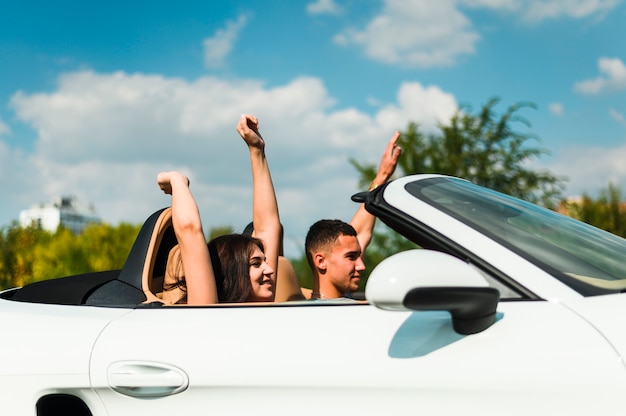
(482, 147)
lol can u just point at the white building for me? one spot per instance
(65, 211)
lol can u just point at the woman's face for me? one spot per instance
(260, 277)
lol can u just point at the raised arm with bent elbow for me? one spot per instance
(362, 221)
(199, 277)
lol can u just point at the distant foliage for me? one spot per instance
(220, 230)
(31, 254)
(607, 212)
(303, 271)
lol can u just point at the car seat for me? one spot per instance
(162, 242)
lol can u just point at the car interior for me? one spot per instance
(152, 276)
(163, 271)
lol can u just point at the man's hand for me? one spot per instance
(389, 161)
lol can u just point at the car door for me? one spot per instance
(45, 350)
(342, 358)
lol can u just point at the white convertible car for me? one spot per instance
(508, 308)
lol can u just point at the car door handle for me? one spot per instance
(146, 379)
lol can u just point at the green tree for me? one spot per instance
(482, 147)
(32, 254)
(219, 231)
(17, 253)
(106, 247)
(303, 271)
(61, 255)
(607, 212)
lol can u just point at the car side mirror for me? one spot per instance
(425, 280)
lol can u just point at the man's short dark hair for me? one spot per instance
(323, 234)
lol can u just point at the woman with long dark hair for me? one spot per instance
(232, 268)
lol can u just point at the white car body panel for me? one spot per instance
(605, 313)
(369, 360)
(51, 339)
(48, 345)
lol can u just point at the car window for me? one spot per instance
(570, 250)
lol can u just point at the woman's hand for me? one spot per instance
(165, 179)
(248, 129)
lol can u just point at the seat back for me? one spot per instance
(162, 241)
(287, 285)
(174, 287)
(146, 259)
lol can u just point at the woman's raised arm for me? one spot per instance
(265, 216)
(197, 267)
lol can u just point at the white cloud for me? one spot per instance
(612, 80)
(414, 34)
(323, 7)
(556, 109)
(492, 4)
(19, 179)
(617, 116)
(424, 33)
(217, 48)
(538, 11)
(553, 9)
(589, 168)
(4, 129)
(104, 138)
(429, 105)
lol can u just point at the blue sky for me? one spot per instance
(98, 97)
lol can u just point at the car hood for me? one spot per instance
(606, 313)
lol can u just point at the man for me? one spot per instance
(334, 249)
(334, 255)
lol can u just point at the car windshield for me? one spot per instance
(570, 250)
